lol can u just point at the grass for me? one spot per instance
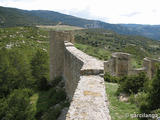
(136, 63)
(119, 110)
(99, 53)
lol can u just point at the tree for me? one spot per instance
(151, 103)
(40, 67)
(17, 106)
(154, 93)
(132, 84)
(15, 71)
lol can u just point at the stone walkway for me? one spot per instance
(89, 101)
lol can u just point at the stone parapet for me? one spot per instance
(76, 64)
(84, 86)
(89, 100)
(81, 73)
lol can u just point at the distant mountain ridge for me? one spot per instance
(16, 17)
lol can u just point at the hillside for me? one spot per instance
(10, 17)
(101, 43)
(25, 89)
(151, 31)
(16, 17)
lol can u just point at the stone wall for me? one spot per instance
(120, 65)
(89, 100)
(150, 66)
(57, 52)
(81, 72)
(72, 67)
(84, 86)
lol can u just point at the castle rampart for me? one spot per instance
(82, 76)
(81, 72)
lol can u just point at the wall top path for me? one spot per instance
(89, 100)
(91, 66)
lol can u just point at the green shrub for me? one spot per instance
(152, 102)
(57, 95)
(40, 68)
(15, 72)
(61, 95)
(132, 84)
(110, 78)
(17, 106)
(43, 84)
(56, 81)
(132, 98)
(144, 106)
(154, 92)
(157, 111)
(138, 98)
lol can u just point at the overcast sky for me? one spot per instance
(112, 11)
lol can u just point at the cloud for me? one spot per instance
(113, 11)
(131, 14)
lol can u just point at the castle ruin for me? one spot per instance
(81, 73)
(120, 65)
(82, 76)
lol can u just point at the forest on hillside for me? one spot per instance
(11, 17)
(25, 90)
(102, 43)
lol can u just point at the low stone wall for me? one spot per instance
(150, 66)
(108, 67)
(137, 71)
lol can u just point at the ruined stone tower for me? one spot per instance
(150, 66)
(118, 65)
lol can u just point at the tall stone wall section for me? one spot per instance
(120, 65)
(81, 72)
(57, 52)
